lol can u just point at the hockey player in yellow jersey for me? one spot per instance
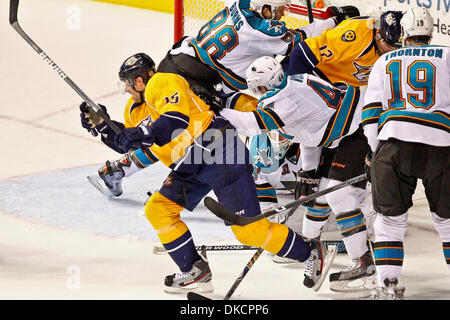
(167, 121)
(347, 52)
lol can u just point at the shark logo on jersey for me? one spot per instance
(362, 72)
(263, 157)
(274, 24)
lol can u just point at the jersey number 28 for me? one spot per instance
(216, 39)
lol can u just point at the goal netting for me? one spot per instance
(191, 15)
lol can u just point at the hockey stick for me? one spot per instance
(196, 296)
(230, 217)
(225, 247)
(310, 13)
(13, 21)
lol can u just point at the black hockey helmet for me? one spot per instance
(390, 28)
(138, 65)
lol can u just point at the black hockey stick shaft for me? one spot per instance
(310, 12)
(237, 282)
(230, 217)
(13, 10)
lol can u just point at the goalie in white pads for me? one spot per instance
(407, 121)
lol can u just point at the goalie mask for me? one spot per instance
(264, 72)
(138, 65)
(417, 22)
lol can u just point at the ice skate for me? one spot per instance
(358, 278)
(198, 279)
(109, 179)
(391, 290)
(318, 264)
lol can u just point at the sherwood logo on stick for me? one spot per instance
(53, 65)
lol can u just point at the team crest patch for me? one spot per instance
(131, 61)
(362, 72)
(168, 181)
(349, 36)
(173, 99)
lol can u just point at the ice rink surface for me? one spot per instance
(59, 237)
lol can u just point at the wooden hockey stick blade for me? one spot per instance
(230, 217)
(13, 20)
(196, 296)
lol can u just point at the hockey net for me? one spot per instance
(191, 15)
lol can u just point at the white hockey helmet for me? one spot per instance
(264, 72)
(257, 5)
(416, 22)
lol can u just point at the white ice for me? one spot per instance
(59, 237)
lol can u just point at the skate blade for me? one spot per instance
(331, 254)
(205, 287)
(98, 184)
(281, 260)
(357, 288)
(379, 294)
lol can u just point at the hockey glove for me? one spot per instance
(307, 183)
(131, 138)
(368, 165)
(344, 12)
(90, 120)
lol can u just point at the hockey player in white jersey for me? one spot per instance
(310, 111)
(241, 32)
(276, 159)
(406, 119)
